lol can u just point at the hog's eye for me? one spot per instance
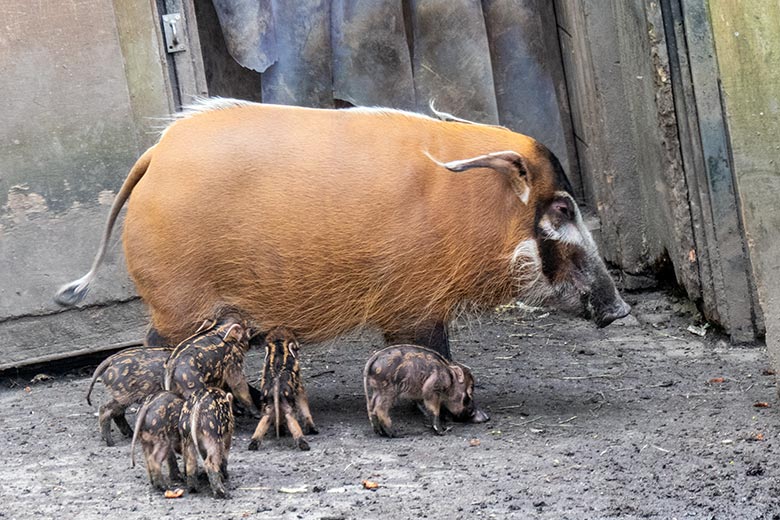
(562, 209)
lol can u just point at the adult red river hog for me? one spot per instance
(326, 220)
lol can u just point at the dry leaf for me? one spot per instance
(41, 377)
(474, 443)
(768, 372)
(368, 484)
(27, 389)
(174, 493)
(759, 436)
(717, 380)
(762, 404)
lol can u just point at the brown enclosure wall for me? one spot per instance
(653, 149)
(79, 83)
(624, 92)
(645, 141)
(747, 39)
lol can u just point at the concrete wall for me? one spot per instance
(747, 40)
(79, 81)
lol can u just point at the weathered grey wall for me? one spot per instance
(77, 90)
(652, 148)
(747, 40)
(483, 60)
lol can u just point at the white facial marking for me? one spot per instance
(527, 270)
(574, 232)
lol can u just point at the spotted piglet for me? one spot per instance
(129, 376)
(157, 426)
(422, 375)
(206, 429)
(214, 356)
(282, 390)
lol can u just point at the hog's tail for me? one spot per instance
(366, 371)
(194, 420)
(138, 421)
(168, 374)
(98, 372)
(276, 405)
(72, 293)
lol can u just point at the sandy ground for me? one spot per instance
(631, 421)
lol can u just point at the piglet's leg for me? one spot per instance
(432, 403)
(173, 466)
(262, 428)
(121, 422)
(294, 427)
(380, 416)
(154, 455)
(111, 410)
(302, 403)
(213, 465)
(226, 443)
(190, 455)
(236, 380)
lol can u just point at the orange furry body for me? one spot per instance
(323, 220)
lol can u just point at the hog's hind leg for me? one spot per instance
(154, 455)
(190, 455)
(262, 428)
(294, 428)
(109, 411)
(302, 403)
(173, 467)
(121, 423)
(380, 418)
(213, 464)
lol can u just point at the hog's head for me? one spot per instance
(555, 261)
(459, 400)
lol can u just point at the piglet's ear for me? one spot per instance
(457, 373)
(508, 163)
(229, 397)
(206, 325)
(234, 333)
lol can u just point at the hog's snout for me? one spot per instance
(478, 416)
(620, 310)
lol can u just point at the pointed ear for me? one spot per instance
(206, 325)
(234, 333)
(457, 373)
(508, 163)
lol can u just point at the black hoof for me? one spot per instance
(254, 445)
(303, 445)
(221, 494)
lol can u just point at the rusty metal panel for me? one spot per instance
(531, 94)
(371, 63)
(250, 35)
(302, 74)
(225, 77)
(451, 59)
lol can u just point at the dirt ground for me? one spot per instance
(642, 419)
